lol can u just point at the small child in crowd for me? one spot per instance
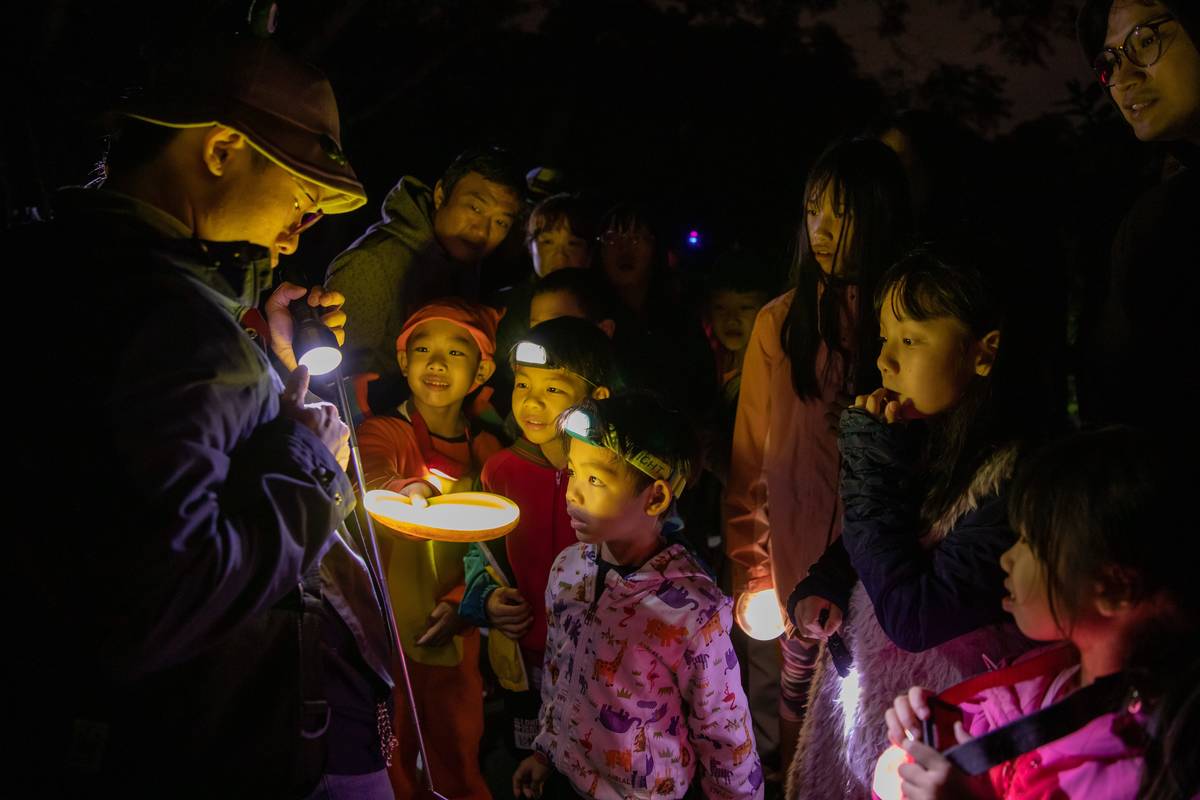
(1097, 569)
(738, 288)
(560, 235)
(561, 363)
(445, 351)
(642, 687)
(574, 293)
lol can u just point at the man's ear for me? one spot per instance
(989, 347)
(486, 368)
(608, 326)
(658, 498)
(402, 357)
(220, 145)
(439, 196)
(601, 393)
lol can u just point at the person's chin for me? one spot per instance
(539, 435)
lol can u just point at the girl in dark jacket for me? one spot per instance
(925, 463)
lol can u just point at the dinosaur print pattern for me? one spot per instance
(640, 705)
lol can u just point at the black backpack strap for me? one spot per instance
(979, 755)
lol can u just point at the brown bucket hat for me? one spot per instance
(284, 107)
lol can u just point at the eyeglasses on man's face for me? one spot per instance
(1143, 46)
(312, 213)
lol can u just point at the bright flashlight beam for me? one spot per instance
(321, 360)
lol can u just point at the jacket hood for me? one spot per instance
(1092, 23)
(407, 212)
(675, 575)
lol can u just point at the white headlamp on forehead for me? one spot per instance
(580, 425)
(532, 354)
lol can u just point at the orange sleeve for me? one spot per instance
(747, 533)
(390, 457)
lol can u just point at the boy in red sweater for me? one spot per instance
(445, 350)
(559, 364)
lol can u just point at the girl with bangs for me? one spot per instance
(1097, 571)
(911, 591)
(816, 342)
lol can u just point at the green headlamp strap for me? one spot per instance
(579, 425)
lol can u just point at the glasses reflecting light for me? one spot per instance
(1143, 47)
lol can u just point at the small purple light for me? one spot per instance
(694, 237)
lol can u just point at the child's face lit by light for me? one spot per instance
(927, 364)
(603, 500)
(1026, 599)
(733, 316)
(441, 362)
(830, 231)
(540, 396)
(560, 248)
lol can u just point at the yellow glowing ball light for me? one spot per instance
(759, 615)
(457, 517)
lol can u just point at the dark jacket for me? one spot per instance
(927, 585)
(1129, 350)
(393, 269)
(194, 640)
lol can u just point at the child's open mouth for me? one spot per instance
(436, 384)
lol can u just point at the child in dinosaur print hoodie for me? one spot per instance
(642, 688)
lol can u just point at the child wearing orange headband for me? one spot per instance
(446, 350)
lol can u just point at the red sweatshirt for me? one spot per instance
(522, 474)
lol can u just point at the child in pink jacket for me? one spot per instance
(641, 692)
(1098, 566)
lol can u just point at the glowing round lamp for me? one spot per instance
(457, 517)
(886, 783)
(759, 615)
(314, 344)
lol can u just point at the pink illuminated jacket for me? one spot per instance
(641, 686)
(1100, 761)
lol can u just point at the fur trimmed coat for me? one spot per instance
(926, 610)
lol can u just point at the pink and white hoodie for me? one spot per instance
(642, 687)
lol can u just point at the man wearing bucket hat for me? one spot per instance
(1145, 54)
(220, 629)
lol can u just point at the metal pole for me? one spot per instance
(370, 547)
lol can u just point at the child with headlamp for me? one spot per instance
(560, 363)
(642, 688)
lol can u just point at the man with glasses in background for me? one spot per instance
(1144, 53)
(208, 629)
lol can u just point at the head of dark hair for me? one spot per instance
(643, 422)
(560, 210)
(494, 164)
(578, 346)
(741, 270)
(132, 144)
(867, 180)
(1113, 499)
(590, 291)
(1008, 406)
(1101, 499)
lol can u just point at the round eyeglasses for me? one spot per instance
(308, 218)
(1143, 46)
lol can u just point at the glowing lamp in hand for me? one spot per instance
(886, 783)
(759, 615)
(314, 344)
